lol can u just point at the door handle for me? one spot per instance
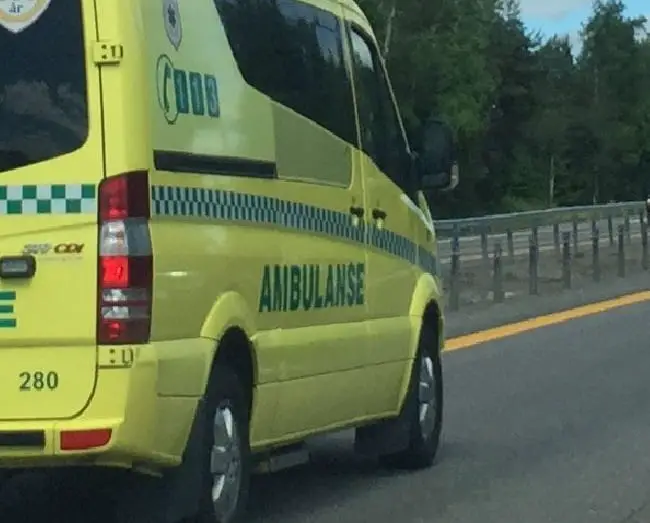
(357, 211)
(378, 214)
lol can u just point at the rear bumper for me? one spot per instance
(125, 402)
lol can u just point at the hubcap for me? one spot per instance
(225, 463)
(427, 397)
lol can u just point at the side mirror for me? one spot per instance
(437, 166)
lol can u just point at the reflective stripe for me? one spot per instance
(73, 198)
(209, 204)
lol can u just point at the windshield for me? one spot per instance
(43, 107)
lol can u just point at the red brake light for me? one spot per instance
(124, 196)
(114, 271)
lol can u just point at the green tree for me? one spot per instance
(536, 125)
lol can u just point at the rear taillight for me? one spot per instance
(125, 272)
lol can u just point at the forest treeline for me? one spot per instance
(538, 123)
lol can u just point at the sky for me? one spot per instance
(567, 16)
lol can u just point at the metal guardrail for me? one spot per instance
(503, 223)
(574, 241)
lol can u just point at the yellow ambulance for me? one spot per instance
(215, 244)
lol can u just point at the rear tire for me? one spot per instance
(423, 408)
(226, 450)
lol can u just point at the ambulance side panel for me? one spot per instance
(246, 234)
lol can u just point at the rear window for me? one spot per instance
(43, 106)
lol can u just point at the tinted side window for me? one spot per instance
(381, 134)
(43, 107)
(293, 53)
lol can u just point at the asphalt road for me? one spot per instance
(549, 426)
(471, 250)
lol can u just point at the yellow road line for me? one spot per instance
(464, 342)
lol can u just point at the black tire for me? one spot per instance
(422, 446)
(225, 392)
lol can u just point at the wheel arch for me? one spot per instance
(433, 320)
(427, 310)
(235, 351)
(232, 326)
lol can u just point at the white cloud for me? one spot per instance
(551, 9)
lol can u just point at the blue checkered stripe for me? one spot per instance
(190, 202)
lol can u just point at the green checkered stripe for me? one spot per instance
(189, 202)
(73, 198)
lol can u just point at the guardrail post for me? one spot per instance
(556, 238)
(533, 264)
(511, 245)
(621, 251)
(644, 244)
(497, 276)
(566, 260)
(575, 236)
(454, 277)
(628, 228)
(610, 229)
(484, 246)
(595, 249)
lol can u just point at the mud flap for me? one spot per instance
(391, 436)
(386, 437)
(173, 497)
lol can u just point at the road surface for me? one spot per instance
(471, 250)
(549, 426)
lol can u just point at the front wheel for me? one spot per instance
(422, 411)
(227, 457)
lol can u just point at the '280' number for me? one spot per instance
(38, 381)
